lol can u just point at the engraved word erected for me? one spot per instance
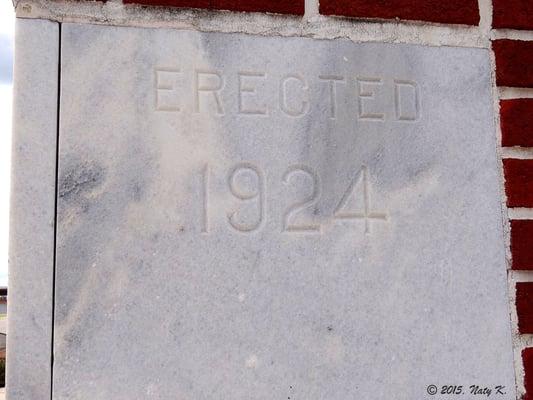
(246, 183)
(261, 94)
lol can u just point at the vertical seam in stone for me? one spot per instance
(55, 212)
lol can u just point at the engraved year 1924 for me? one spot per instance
(246, 184)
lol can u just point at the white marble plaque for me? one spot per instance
(263, 218)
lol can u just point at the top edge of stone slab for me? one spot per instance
(264, 24)
(306, 39)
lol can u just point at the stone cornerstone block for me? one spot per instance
(256, 217)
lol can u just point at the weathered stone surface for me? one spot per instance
(31, 248)
(250, 217)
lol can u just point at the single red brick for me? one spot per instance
(527, 362)
(524, 306)
(518, 182)
(449, 11)
(516, 117)
(515, 14)
(274, 6)
(522, 245)
(514, 62)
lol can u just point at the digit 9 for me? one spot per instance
(254, 193)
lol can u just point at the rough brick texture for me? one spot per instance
(514, 62)
(518, 182)
(274, 6)
(516, 118)
(524, 306)
(527, 360)
(449, 11)
(522, 245)
(515, 14)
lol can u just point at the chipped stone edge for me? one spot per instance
(32, 214)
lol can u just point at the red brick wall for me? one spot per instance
(514, 68)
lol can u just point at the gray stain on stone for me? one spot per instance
(79, 179)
